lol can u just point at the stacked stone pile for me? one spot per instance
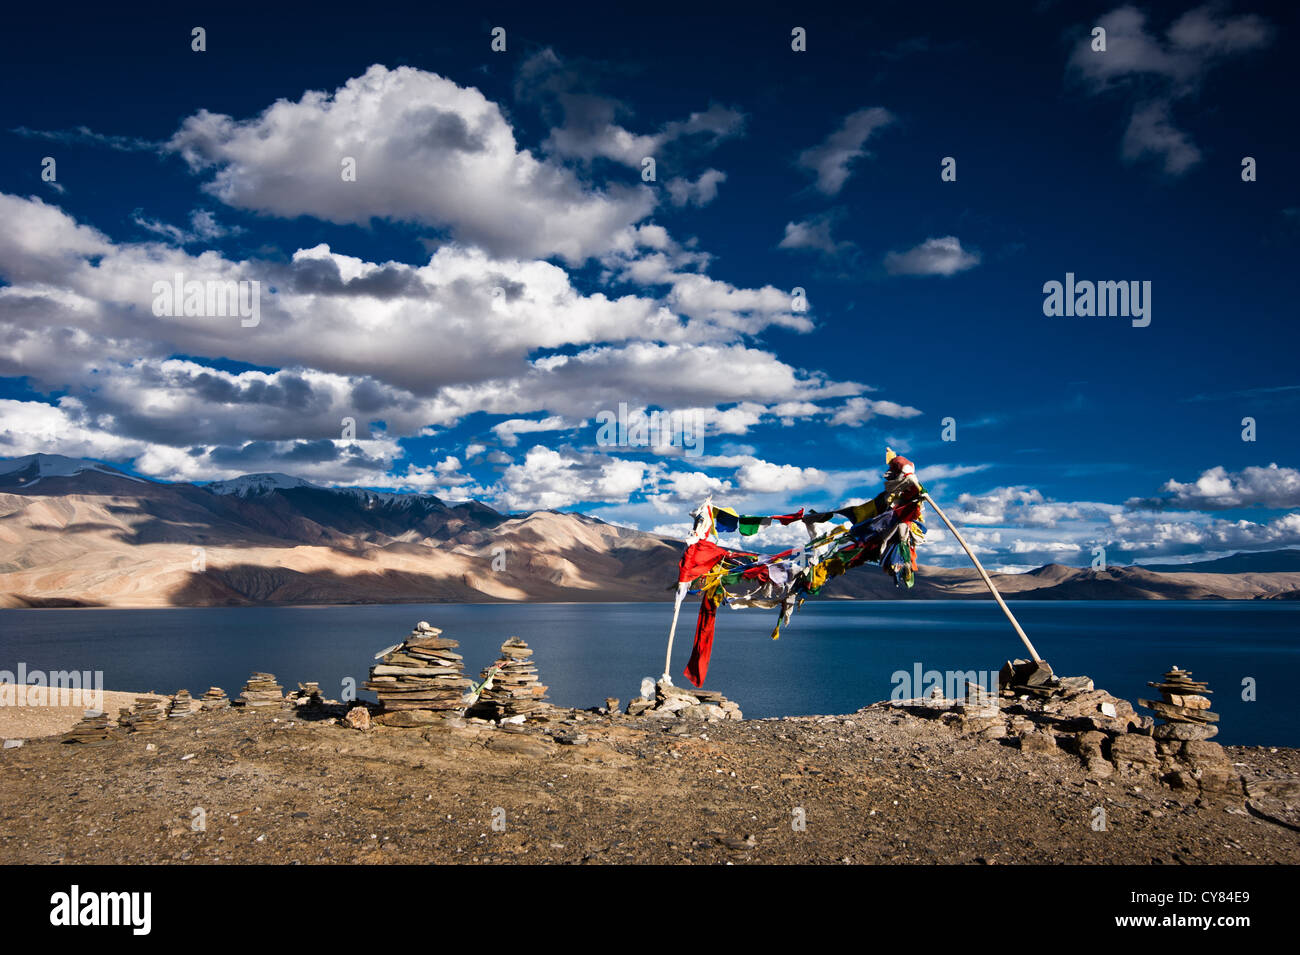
(673, 702)
(261, 690)
(307, 694)
(1028, 677)
(1063, 704)
(1184, 708)
(93, 730)
(1183, 753)
(422, 673)
(181, 706)
(1081, 711)
(146, 715)
(1049, 713)
(1040, 712)
(512, 688)
(214, 699)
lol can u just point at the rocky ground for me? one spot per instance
(30, 722)
(914, 784)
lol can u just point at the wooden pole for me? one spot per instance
(987, 579)
(700, 530)
(682, 587)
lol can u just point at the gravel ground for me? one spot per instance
(873, 787)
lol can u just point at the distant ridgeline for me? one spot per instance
(278, 539)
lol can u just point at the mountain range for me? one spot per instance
(75, 532)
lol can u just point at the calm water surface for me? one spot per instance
(833, 658)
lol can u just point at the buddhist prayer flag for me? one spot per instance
(698, 666)
(727, 519)
(699, 558)
(885, 530)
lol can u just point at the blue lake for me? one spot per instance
(834, 657)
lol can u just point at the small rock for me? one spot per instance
(1098, 768)
(1038, 743)
(1134, 752)
(704, 711)
(1276, 799)
(1185, 731)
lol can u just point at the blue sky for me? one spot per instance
(500, 273)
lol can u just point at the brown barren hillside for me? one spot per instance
(77, 534)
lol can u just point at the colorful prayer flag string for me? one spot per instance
(885, 530)
(726, 519)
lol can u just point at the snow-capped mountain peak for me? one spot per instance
(251, 485)
(30, 468)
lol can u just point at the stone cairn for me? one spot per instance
(1184, 709)
(422, 673)
(261, 690)
(1031, 708)
(181, 706)
(671, 702)
(307, 695)
(1039, 712)
(1186, 757)
(214, 699)
(93, 730)
(146, 715)
(511, 688)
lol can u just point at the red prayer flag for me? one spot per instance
(698, 666)
(699, 558)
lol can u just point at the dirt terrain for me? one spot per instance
(878, 786)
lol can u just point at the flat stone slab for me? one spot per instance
(1277, 800)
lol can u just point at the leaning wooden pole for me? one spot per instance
(987, 579)
(672, 631)
(703, 524)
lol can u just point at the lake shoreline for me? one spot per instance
(833, 657)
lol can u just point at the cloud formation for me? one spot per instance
(344, 338)
(831, 161)
(814, 233)
(943, 256)
(1217, 489)
(426, 150)
(1155, 73)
